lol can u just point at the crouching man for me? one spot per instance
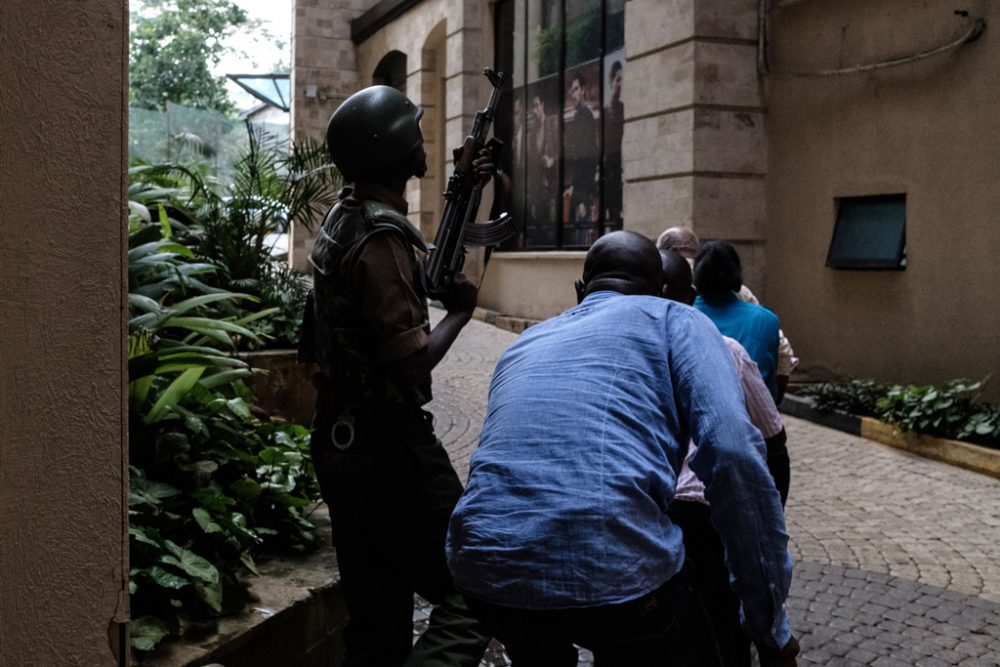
(562, 535)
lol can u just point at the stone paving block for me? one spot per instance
(980, 662)
(931, 662)
(944, 641)
(969, 648)
(862, 655)
(920, 621)
(889, 661)
(887, 647)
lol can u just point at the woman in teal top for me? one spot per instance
(718, 277)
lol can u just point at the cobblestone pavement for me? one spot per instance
(897, 558)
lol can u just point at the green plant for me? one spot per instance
(212, 485)
(229, 227)
(858, 397)
(950, 410)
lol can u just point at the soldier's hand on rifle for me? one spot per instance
(461, 297)
(483, 164)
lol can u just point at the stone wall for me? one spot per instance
(324, 74)
(695, 149)
(927, 129)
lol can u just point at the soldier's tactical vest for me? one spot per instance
(346, 354)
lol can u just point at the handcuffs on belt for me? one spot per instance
(342, 432)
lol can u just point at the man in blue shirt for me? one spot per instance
(718, 276)
(562, 535)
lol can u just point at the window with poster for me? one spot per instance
(561, 119)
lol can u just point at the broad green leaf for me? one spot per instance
(165, 223)
(212, 499)
(147, 632)
(239, 407)
(271, 456)
(138, 391)
(143, 303)
(164, 578)
(203, 323)
(188, 305)
(140, 210)
(224, 378)
(140, 536)
(191, 563)
(247, 560)
(258, 315)
(209, 334)
(158, 490)
(163, 362)
(204, 520)
(211, 593)
(173, 394)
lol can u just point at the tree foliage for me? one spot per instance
(174, 45)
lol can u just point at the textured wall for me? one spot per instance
(63, 556)
(324, 66)
(695, 149)
(928, 129)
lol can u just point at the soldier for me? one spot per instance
(384, 474)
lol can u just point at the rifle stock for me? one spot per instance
(465, 188)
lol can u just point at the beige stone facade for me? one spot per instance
(715, 143)
(928, 128)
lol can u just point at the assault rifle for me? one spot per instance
(465, 188)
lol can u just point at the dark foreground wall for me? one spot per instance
(63, 552)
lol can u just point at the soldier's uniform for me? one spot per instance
(386, 477)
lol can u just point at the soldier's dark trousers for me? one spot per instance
(391, 493)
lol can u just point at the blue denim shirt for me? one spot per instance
(588, 418)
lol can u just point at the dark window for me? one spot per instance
(870, 233)
(565, 63)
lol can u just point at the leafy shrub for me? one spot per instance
(230, 227)
(858, 397)
(212, 484)
(949, 410)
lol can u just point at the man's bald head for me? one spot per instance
(681, 240)
(676, 277)
(624, 262)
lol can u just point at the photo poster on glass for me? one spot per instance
(508, 194)
(614, 127)
(582, 153)
(541, 162)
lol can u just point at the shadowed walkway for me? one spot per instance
(897, 558)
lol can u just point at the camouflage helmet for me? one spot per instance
(374, 133)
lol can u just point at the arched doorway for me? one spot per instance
(433, 84)
(391, 71)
